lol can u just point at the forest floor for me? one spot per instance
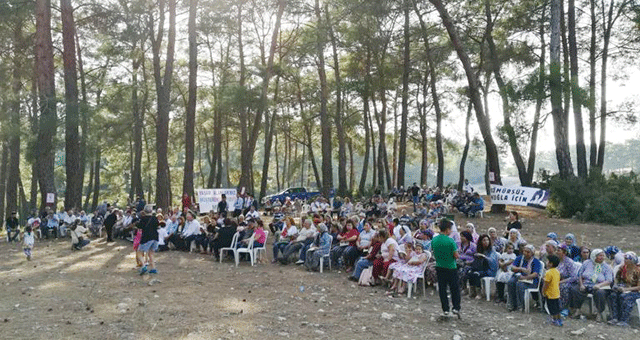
(97, 293)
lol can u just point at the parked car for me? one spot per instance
(293, 194)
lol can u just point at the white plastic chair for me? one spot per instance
(410, 285)
(486, 282)
(529, 291)
(247, 250)
(638, 303)
(232, 248)
(327, 256)
(256, 250)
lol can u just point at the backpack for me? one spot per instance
(366, 277)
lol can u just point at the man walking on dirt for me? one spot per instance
(445, 251)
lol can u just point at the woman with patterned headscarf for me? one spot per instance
(572, 246)
(625, 291)
(593, 278)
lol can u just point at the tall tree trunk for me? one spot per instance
(342, 153)
(593, 149)
(138, 121)
(566, 77)
(367, 133)
(89, 186)
(506, 108)
(474, 94)
(581, 151)
(84, 115)
(563, 156)
(608, 21)
(3, 180)
(190, 116)
(424, 137)
(96, 181)
(325, 126)
(14, 121)
(73, 192)
(163, 89)
(374, 158)
(406, 69)
(540, 95)
(465, 151)
(352, 171)
(306, 122)
(269, 128)
(47, 94)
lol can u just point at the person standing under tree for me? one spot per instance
(445, 251)
(222, 206)
(13, 225)
(149, 240)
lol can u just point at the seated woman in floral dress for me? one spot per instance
(411, 270)
(626, 291)
(594, 277)
(568, 276)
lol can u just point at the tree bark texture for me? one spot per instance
(47, 100)
(325, 126)
(343, 188)
(13, 176)
(402, 147)
(73, 192)
(163, 89)
(563, 156)
(577, 98)
(190, 116)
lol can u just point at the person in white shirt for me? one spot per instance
(238, 205)
(467, 187)
(253, 213)
(192, 231)
(305, 237)
(163, 235)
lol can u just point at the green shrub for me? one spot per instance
(612, 200)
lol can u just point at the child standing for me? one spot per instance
(504, 271)
(551, 290)
(27, 242)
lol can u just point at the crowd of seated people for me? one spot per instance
(392, 249)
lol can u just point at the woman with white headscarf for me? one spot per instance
(594, 277)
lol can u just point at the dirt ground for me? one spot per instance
(97, 293)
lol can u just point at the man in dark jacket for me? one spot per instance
(13, 226)
(109, 221)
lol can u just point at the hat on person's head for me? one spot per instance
(631, 256)
(595, 253)
(552, 236)
(611, 250)
(322, 228)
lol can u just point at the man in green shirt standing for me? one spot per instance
(445, 251)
